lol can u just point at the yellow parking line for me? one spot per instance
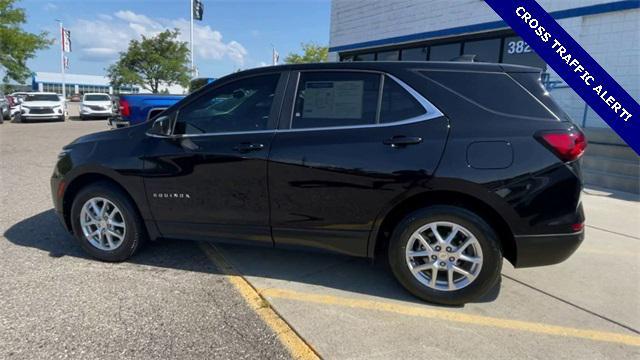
(298, 348)
(446, 315)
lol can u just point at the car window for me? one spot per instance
(340, 98)
(97, 98)
(242, 105)
(42, 97)
(397, 104)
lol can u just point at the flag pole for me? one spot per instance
(64, 84)
(191, 40)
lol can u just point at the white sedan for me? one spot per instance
(42, 106)
(96, 106)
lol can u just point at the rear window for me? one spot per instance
(42, 97)
(494, 91)
(97, 98)
(327, 99)
(397, 104)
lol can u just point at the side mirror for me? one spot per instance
(161, 126)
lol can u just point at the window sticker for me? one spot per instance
(333, 99)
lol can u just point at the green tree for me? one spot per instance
(152, 61)
(312, 53)
(16, 45)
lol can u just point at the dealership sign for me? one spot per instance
(576, 67)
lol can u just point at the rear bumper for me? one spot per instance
(539, 250)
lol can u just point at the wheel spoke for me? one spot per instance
(434, 276)
(115, 223)
(469, 241)
(450, 279)
(452, 235)
(109, 240)
(424, 243)
(434, 230)
(96, 211)
(471, 259)
(113, 233)
(420, 268)
(467, 274)
(423, 253)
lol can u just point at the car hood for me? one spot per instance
(41, 103)
(97, 103)
(108, 135)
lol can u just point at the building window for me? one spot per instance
(389, 55)
(444, 52)
(517, 51)
(415, 54)
(364, 57)
(485, 50)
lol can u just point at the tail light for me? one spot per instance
(124, 107)
(568, 145)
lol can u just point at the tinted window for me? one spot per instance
(97, 98)
(242, 105)
(42, 97)
(388, 55)
(494, 91)
(336, 99)
(397, 103)
(444, 52)
(414, 54)
(486, 50)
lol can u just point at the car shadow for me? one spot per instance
(358, 275)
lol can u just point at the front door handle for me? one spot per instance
(402, 141)
(248, 147)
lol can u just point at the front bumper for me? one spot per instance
(53, 116)
(96, 114)
(540, 250)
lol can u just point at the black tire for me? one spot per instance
(489, 272)
(135, 231)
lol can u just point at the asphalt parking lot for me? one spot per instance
(180, 299)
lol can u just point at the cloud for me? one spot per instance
(103, 38)
(50, 6)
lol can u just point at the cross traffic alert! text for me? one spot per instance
(588, 79)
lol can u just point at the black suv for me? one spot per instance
(445, 168)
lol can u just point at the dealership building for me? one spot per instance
(442, 30)
(76, 84)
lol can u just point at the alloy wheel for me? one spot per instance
(103, 224)
(444, 256)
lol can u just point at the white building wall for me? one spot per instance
(613, 39)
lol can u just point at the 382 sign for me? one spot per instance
(518, 47)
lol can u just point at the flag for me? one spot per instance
(275, 57)
(66, 40)
(198, 10)
(66, 62)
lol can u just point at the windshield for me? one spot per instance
(97, 98)
(42, 97)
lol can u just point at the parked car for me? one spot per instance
(5, 109)
(14, 106)
(42, 106)
(96, 105)
(443, 168)
(137, 108)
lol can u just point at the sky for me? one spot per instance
(234, 34)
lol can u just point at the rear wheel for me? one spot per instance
(106, 223)
(445, 254)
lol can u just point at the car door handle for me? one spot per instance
(402, 141)
(248, 147)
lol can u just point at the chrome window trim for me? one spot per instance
(431, 111)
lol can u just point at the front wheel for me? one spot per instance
(445, 254)
(106, 223)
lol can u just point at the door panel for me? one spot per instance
(210, 179)
(328, 185)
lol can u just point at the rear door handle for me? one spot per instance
(402, 141)
(248, 147)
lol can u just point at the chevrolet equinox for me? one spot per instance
(443, 168)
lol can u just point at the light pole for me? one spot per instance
(193, 69)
